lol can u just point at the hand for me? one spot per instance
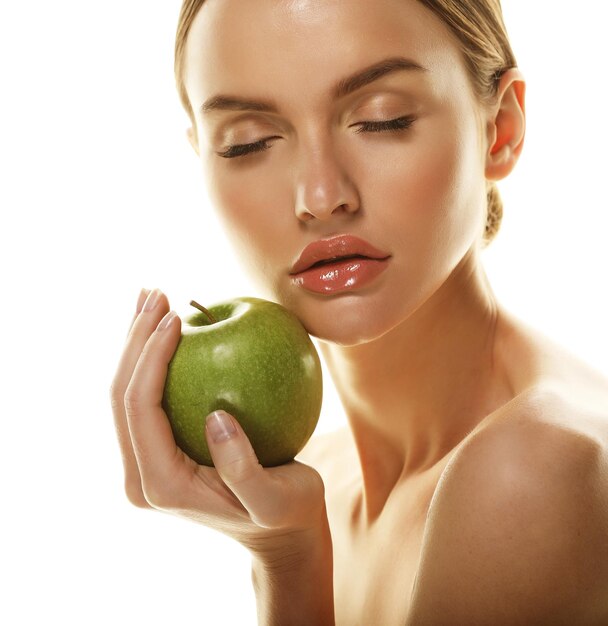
(265, 509)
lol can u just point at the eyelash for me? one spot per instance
(398, 124)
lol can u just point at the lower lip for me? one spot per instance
(340, 276)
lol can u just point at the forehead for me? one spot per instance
(301, 47)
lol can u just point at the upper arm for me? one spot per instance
(517, 534)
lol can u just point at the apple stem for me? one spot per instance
(200, 307)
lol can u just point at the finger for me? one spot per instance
(154, 447)
(154, 308)
(143, 295)
(237, 464)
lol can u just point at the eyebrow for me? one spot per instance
(343, 88)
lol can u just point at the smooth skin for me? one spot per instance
(471, 484)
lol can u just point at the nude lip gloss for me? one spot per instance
(338, 263)
(340, 275)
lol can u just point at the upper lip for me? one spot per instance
(336, 247)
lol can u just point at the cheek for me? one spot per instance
(429, 192)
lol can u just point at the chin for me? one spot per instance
(346, 320)
(344, 339)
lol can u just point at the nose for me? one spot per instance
(323, 187)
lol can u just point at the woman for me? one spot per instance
(470, 486)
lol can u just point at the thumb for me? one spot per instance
(237, 464)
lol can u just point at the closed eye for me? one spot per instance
(400, 123)
(241, 149)
(397, 124)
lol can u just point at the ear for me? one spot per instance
(191, 134)
(506, 126)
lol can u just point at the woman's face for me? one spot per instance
(416, 193)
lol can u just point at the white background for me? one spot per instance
(100, 195)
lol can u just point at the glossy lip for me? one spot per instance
(346, 274)
(336, 247)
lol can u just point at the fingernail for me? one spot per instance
(220, 426)
(164, 323)
(143, 294)
(152, 300)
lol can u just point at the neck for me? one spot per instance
(414, 393)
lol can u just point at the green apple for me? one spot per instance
(254, 359)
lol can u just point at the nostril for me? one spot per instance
(304, 214)
(323, 213)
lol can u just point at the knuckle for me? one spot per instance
(151, 352)
(158, 496)
(315, 487)
(271, 517)
(135, 494)
(241, 470)
(117, 395)
(133, 401)
(147, 350)
(276, 510)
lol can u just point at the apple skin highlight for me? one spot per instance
(256, 362)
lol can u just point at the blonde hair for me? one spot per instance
(484, 44)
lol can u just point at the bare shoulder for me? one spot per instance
(549, 448)
(518, 524)
(545, 434)
(544, 424)
(557, 423)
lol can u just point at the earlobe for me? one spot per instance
(191, 134)
(506, 129)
